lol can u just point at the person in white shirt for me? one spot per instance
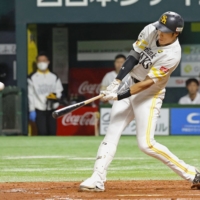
(44, 90)
(193, 97)
(110, 76)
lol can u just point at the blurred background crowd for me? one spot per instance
(55, 53)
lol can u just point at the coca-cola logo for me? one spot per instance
(87, 119)
(89, 88)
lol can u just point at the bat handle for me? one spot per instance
(93, 99)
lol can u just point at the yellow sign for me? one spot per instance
(164, 19)
(32, 47)
(160, 51)
(31, 65)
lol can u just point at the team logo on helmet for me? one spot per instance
(163, 19)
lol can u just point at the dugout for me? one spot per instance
(92, 20)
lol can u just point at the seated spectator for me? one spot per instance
(44, 90)
(193, 96)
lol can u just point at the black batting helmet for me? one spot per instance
(170, 22)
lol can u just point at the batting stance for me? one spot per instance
(155, 55)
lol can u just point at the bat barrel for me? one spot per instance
(55, 114)
(68, 109)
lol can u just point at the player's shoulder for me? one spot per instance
(150, 28)
(173, 51)
(53, 74)
(30, 76)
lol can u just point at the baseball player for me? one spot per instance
(155, 55)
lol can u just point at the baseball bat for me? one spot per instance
(67, 109)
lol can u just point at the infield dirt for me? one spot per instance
(156, 190)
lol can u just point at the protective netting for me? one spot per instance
(10, 111)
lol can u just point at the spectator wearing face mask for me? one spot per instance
(44, 90)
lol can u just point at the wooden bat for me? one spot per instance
(71, 108)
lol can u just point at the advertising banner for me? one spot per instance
(178, 82)
(116, 11)
(185, 121)
(7, 49)
(102, 50)
(162, 127)
(86, 82)
(190, 63)
(79, 122)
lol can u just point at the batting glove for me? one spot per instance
(109, 96)
(113, 87)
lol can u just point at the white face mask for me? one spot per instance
(42, 66)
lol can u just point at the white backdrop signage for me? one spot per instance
(178, 82)
(7, 49)
(102, 50)
(162, 127)
(61, 53)
(190, 63)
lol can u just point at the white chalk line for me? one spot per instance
(69, 158)
(75, 169)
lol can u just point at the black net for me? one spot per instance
(11, 110)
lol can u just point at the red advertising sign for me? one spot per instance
(86, 81)
(79, 122)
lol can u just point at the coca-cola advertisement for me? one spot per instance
(86, 82)
(79, 122)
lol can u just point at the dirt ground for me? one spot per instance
(156, 190)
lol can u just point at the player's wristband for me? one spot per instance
(124, 94)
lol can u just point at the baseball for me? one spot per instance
(1, 86)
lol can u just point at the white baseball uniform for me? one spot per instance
(40, 85)
(157, 62)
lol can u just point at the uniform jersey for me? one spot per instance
(187, 100)
(40, 85)
(157, 62)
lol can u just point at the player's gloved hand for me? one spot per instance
(52, 96)
(113, 87)
(32, 116)
(109, 95)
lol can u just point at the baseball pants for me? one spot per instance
(145, 108)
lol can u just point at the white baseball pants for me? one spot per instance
(145, 108)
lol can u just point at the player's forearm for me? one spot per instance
(136, 88)
(139, 87)
(128, 65)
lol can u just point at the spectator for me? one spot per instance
(44, 90)
(193, 97)
(110, 76)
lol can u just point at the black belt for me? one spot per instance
(135, 80)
